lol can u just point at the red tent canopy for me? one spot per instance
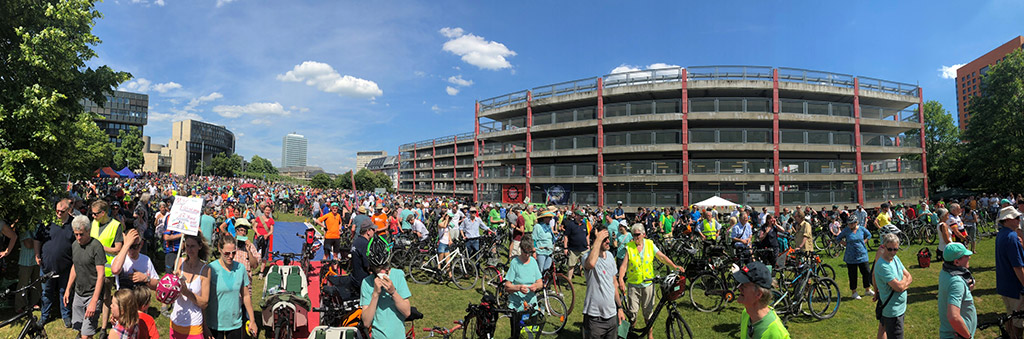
(248, 185)
(106, 172)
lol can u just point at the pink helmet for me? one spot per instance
(168, 289)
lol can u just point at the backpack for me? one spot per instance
(924, 258)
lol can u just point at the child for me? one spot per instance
(147, 327)
(124, 312)
(835, 227)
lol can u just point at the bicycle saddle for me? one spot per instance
(414, 315)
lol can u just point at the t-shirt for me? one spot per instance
(740, 231)
(856, 251)
(171, 246)
(577, 235)
(600, 297)
(882, 219)
(147, 327)
(381, 221)
(403, 217)
(357, 263)
(886, 271)
(529, 219)
(26, 256)
(520, 273)
(332, 225)
(492, 216)
(1009, 254)
(387, 320)
(56, 240)
(769, 327)
(85, 259)
(224, 312)
(804, 230)
(206, 224)
(418, 226)
(953, 290)
(143, 264)
(623, 239)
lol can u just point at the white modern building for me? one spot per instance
(293, 150)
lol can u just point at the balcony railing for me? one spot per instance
(639, 167)
(565, 88)
(892, 166)
(731, 166)
(815, 77)
(504, 148)
(649, 76)
(818, 197)
(886, 86)
(817, 167)
(756, 105)
(729, 73)
(754, 136)
(503, 100)
(816, 108)
(497, 126)
(888, 140)
(873, 112)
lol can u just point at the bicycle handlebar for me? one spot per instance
(31, 285)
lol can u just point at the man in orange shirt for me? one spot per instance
(380, 218)
(331, 222)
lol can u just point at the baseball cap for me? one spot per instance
(1004, 201)
(366, 224)
(334, 204)
(754, 272)
(954, 251)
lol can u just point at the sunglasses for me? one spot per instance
(80, 234)
(636, 234)
(228, 254)
(892, 249)
(97, 213)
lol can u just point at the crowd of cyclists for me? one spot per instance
(110, 235)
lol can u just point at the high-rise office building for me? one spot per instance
(192, 143)
(123, 110)
(968, 77)
(293, 150)
(364, 157)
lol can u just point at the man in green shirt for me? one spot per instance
(758, 319)
(529, 219)
(494, 218)
(957, 314)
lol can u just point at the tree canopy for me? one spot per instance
(321, 180)
(130, 152)
(942, 146)
(261, 165)
(995, 136)
(44, 130)
(224, 165)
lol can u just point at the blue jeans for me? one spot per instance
(543, 261)
(53, 290)
(472, 246)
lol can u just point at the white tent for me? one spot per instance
(715, 201)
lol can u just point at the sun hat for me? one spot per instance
(1008, 212)
(954, 251)
(242, 222)
(546, 214)
(362, 209)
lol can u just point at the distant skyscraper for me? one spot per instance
(968, 77)
(293, 150)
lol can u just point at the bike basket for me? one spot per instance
(924, 258)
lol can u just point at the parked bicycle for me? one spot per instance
(429, 267)
(31, 330)
(1002, 322)
(672, 288)
(821, 294)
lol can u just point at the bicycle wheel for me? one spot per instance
(464, 273)
(489, 280)
(676, 327)
(930, 236)
(556, 314)
(707, 293)
(823, 299)
(470, 327)
(563, 288)
(821, 241)
(825, 271)
(904, 239)
(422, 270)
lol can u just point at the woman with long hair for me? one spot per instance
(264, 227)
(230, 294)
(194, 278)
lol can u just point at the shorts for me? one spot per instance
(972, 231)
(87, 326)
(332, 245)
(1013, 305)
(598, 328)
(893, 326)
(513, 248)
(574, 258)
(442, 248)
(640, 297)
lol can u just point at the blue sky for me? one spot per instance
(368, 75)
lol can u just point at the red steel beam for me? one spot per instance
(924, 151)
(857, 140)
(600, 142)
(433, 164)
(455, 163)
(415, 177)
(777, 195)
(529, 141)
(685, 108)
(476, 148)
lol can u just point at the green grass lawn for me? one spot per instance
(442, 305)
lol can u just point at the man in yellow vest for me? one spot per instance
(636, 272)
(708, 226)
(109, 233)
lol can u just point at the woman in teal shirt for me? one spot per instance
(384, 295)
(230, 284)
(522, 281)
(543, 239)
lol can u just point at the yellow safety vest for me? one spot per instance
(710, 230)
(641, 265)
(107, 239)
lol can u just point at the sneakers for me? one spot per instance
(855, 295)
(870, 292)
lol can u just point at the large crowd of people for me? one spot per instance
(109, 244)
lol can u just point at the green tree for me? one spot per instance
(93, 144)
(942, 145)
(996, 132)
(321, 180)
(261, 165)
(382, 180)
(130, 152)
(223, 165)
(343, 181)
(44, 48)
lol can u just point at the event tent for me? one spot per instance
(126, 173)
(106, 172)
(715, 201)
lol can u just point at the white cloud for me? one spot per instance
(165, 87)
(451, 90)
(143, 85)
(660, 65)
(256, 108)
(949, 72)
(224, 2)
(299, 109)
(458, 80)
(178, 115)
(325, 78)
(264, 122)
(624, 68)
(476, 50)
(145, 2)
(200, 100)
(435, 109)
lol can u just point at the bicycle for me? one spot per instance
(672, 288)
(481, 319)
(346, 317)
(459, 270)
(444, 333)
(794, 292)
(32, 329)
(310, 246)
(1002, 322)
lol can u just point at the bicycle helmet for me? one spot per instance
(168, 289)
(378, 252)
(674, 286)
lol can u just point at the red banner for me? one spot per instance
(512, 194)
